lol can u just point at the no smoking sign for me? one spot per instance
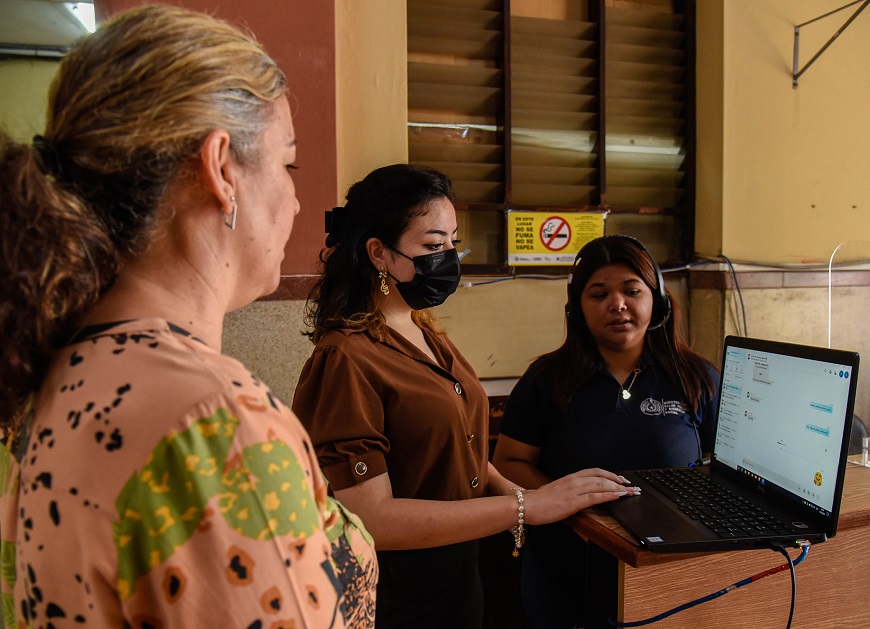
(548, 238)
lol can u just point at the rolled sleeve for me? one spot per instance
(344, 416)
(355, 469)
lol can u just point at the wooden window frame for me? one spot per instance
(684, 212)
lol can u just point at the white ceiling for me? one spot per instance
(43, 23)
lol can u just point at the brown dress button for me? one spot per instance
(458, 388)
(474, 482)
(361, 468)
(470, 438)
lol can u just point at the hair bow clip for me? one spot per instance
(334, 220)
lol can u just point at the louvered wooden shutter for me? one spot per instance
(540, 126)
(645, 87)
(554, 112)
(455, 93)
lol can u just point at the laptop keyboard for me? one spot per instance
(725, 513)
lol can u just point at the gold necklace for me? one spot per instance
(626, 392)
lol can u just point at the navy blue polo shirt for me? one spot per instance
(653, 428)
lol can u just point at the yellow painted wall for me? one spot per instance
(795, 162)
(501, 327)
(371, 87)
(709, 122)
(783, 174)
(24, 87)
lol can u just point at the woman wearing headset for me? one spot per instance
(393, 408)
(622, 392)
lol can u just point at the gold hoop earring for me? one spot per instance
(382, 274)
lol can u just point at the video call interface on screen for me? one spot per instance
(781, 421)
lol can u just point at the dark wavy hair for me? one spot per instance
(572, 365)
(380, 206)
(129, 107)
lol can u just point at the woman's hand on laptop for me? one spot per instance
(563, 497)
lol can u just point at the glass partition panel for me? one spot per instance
(849, 325)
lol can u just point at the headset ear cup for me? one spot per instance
(661, 301)
(666, 309)
(661, 311)
(574, 316)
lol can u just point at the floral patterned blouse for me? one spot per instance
(159, 484)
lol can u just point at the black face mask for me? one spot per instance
(436, 277)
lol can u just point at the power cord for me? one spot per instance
(789, 565)
(739, 292)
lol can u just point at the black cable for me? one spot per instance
(739, 293)
(689, 411)
(781, 549)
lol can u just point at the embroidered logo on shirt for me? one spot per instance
(656, 407)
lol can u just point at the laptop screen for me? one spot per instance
(782, 419)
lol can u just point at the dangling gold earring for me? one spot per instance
(383, 275)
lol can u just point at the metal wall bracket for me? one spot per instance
(797, 33)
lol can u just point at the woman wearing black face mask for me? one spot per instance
(397, 415)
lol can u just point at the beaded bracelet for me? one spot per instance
(519, 534)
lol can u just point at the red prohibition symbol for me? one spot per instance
(555, 233)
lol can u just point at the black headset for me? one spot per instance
(660, 314)
(661, 311)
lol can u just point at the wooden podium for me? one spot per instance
(833, 589)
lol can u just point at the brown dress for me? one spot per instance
(375, 407)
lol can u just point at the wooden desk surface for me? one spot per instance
(596, 525)
(831, 582)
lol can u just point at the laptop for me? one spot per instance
(778, 463)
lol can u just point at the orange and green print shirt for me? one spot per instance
(160, 484)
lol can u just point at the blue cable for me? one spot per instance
(805, 549)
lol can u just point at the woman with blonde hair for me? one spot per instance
(148, 480)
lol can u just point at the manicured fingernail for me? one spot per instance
(622, 493)
(624, 480)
